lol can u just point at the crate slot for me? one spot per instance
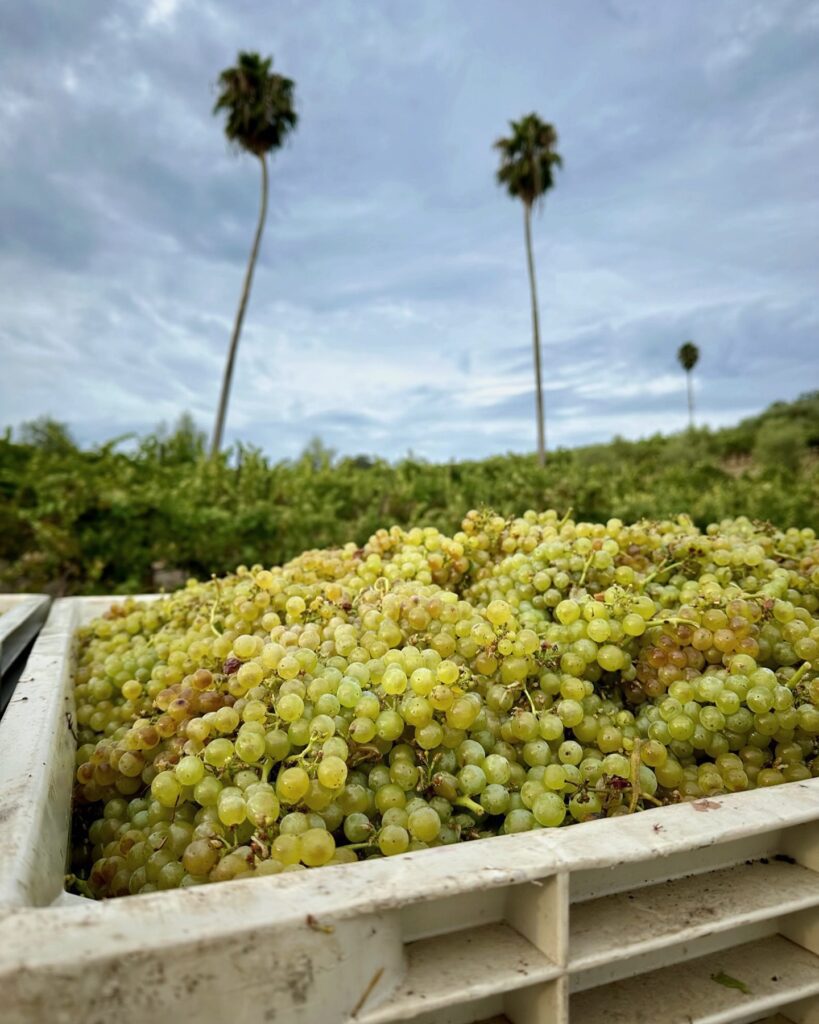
(696, 859)
(686, 994)
(462, 967)
(466, 910)
(805, 1011)
(630, 924)
(489, 1009)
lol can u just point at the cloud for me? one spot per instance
(390, 308)
(161, 12)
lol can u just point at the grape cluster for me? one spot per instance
(424, 690)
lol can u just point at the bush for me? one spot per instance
(780, 445)
(76, 521)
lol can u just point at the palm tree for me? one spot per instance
(260, 115)
(688, 355)
(528, 159)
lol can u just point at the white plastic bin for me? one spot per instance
(648, 919)
(21, 618)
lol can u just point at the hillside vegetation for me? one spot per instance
(76, 521)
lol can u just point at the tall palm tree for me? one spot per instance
(528, 160)
(259, 107)
(688, 355)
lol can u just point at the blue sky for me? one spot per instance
(390, 309)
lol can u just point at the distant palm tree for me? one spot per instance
(260, 114)
(688, 355)
(528, 159)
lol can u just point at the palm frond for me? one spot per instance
(688, 356)
(258, 103)
(528, 159)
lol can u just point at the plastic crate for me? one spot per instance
(633, 920)
(21, 618)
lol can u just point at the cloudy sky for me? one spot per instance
(390, 307)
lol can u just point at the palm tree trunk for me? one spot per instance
(219, 427)
(541, 423)
(690, 401)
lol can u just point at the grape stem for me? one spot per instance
(465, 801)
(213, 608)
(658, 570)
(674, 620)
(430, 765)
(363, 753)
(304, 754)
(586, 568)
(360, 846)
(798, 674)
(531, 702)
(636, 791)
(80, 884)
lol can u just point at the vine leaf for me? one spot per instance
(725, 979)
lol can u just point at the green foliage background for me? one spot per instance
(108, 520)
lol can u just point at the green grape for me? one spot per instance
(431, 687)
(218, 752)
(332, 772)
(549, 810)
(226, 720)
(206, 793)
(518, 820)
(389, 725)
(393, 839)
(424, 824)
(231, 806)
(262, 808)
(395, 816)
(554, 778)
(357, 827)
(472, 780)
(529, 792)
(250, 747)
(166, 789)
(583, 807)
(681, 727)
(495, 799)
(290, 707)
(317, 847)
(496, 769)
(389, 795)
(292, 784)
